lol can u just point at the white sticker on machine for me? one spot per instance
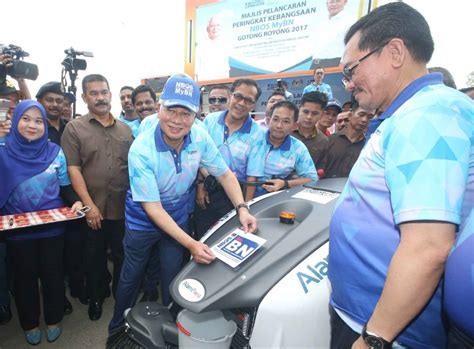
(315, 195)
(191, 290)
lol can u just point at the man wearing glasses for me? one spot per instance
(318, 84)
(236, 135)
(163, 164)
(407, 195)
(218, 100)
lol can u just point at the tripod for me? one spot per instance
(72, 88)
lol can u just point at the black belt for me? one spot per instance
(468, 342)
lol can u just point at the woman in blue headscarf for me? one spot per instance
(34, 177)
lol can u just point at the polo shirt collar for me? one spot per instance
(246, 127)
(285, 146)
(409, 91)
(160, 143)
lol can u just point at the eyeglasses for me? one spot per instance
(347, 72)
(320, 73)
(284, 122)
(217, 100)
(240, 97)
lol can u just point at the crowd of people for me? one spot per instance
(157, 177)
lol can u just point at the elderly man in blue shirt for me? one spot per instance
(287, 160)
(163, 164)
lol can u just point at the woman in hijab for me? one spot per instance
(34, 177)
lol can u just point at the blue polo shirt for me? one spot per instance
(325, 88)
(238, 149)
(133, 124)
(414, 168)
(459, 273)
(291, 156)
(159, 173)
(40, 192)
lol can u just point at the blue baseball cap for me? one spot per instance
(180, 90)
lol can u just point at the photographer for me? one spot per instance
(7, 61)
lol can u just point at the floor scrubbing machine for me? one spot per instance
(276, 298)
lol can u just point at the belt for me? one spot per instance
(469, 342)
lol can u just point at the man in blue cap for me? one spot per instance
(163, 164)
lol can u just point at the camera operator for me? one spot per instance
(7, 61)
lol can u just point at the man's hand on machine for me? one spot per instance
(249, 222)
(201, 253)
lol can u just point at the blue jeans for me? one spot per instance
(4, 296)
(138, 247)
(152, 272)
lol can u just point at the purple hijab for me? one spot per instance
(21, 159)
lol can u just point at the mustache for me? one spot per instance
(101, 103)
(147, 109)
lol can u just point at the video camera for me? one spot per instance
(18, 68)
(72, 63)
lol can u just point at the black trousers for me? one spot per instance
(75, 237)
(203, 219)
(342, 336)
(32, 260)
(111, 234)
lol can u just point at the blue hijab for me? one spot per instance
(21, 159)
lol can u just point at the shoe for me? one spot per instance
(149, 296)
(5, 314)
(53, 333)
(67, 306)
(33, 337)
(95, 310)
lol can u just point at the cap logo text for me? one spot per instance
(183, 88)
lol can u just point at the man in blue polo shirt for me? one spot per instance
(129, 115)
(163, 164)
(287, 160)
(318, 84)
(396, 220)
(236, 135)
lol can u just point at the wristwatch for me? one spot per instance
(239, 206)
(374, 341)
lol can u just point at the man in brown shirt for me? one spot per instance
(344, 147)
(311, 109)
(96, 148)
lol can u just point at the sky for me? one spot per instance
(130, 42)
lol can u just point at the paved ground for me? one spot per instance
(78, 330)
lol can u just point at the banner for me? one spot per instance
(237, 38)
